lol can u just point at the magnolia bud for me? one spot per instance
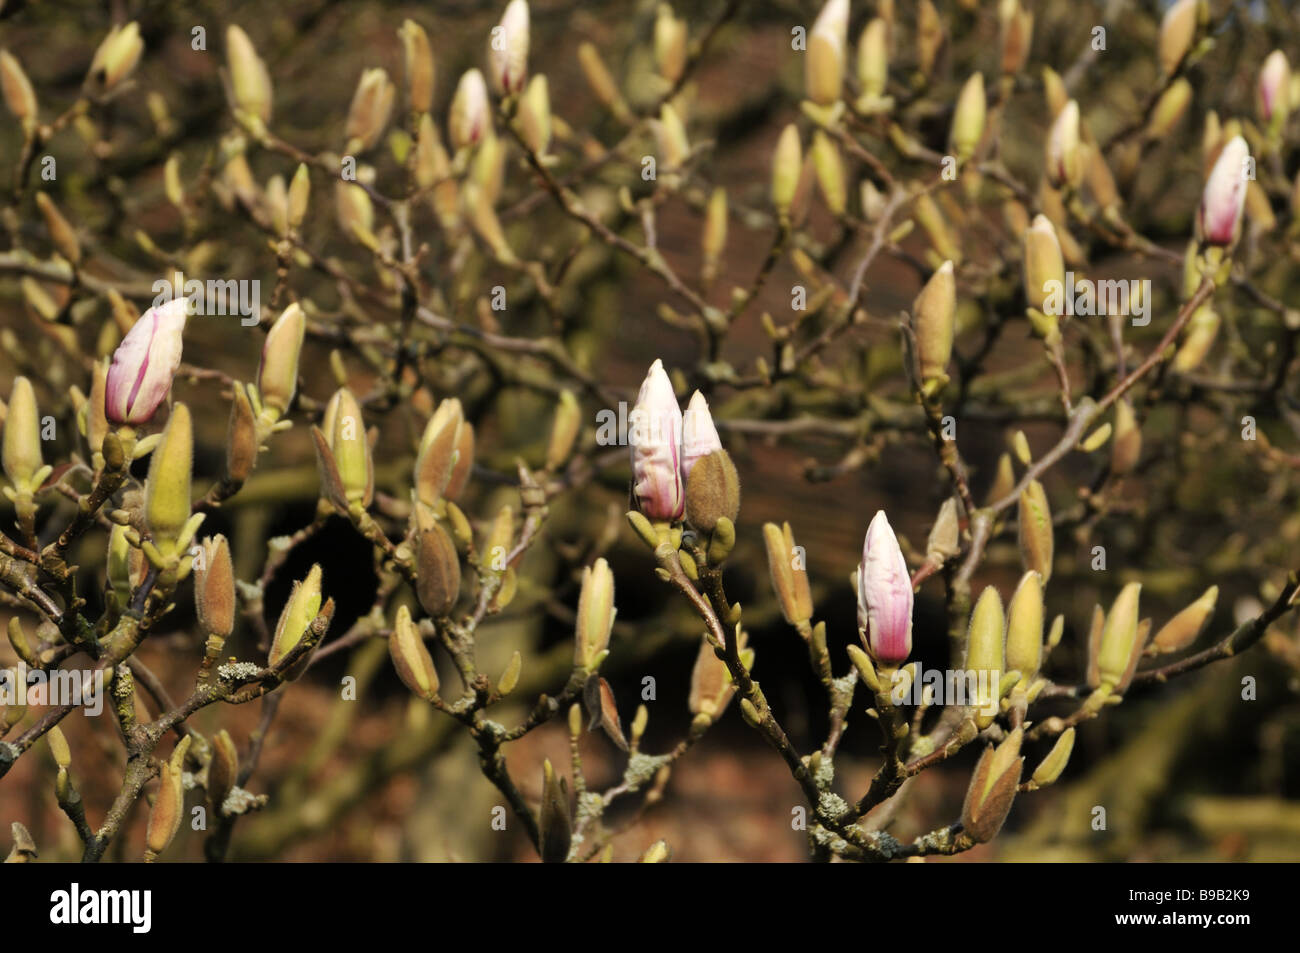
(22, 646)
(1054, 91)
(223, 769)
(250, 81)
(356, 213)
(299, 193)
(411, 657)
(699, 435)
(18, 92)
(787, 164)
(1218, 220)
(670, 44)
(119, 558)
(824, 60)
(830, 172)
(785, 563)
(469, 111)
(1184, 628)
(873, 58)
(1101, 182)
(350, 447)
(277, 378)
(555, 829)
(21, 449)
(598, 78)
(1051, 767)
(438, 568)
(145, 362)
(992, 789)
(214, 588)
(167, 491)
(932, 220)
(62, 235)
(508, 49)
(968, 118)
(1274, 89)
(431, 163)
(1064, 156)
(96, 415)
(1036, 531)
(1177, 30)
(418, 59)
(298, 614)
(1025, 628)
(1044, 265)
(711, 684)
(1169, 108)
(564, 431)
(59, 747)
(884, 595)
(169, 805)
(115, 58)
(437, 456)
(712, 491)
(464, 462)
(929, 36)
(1017, 26)
(372, 103)
(985, 641)
(934, 316)
(944, 541)
(535, 115)
(241, 437)
(1202, 329)
(1119, 649)
(674, 148)
(714, 238)
(655, 439)
(595, 615)
(1128, 440)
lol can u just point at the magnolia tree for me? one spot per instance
(437, 334)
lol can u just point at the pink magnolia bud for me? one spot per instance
(1275, 86)
(885, 594)
(699, 436)
(1219, 217)
(508, 49)
(144, 363)
(469, 110)
(655, 439)
(1064, 159)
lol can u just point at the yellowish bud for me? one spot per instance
(411, 658)
(1036, 531)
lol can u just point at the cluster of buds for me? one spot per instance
(679, 468)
